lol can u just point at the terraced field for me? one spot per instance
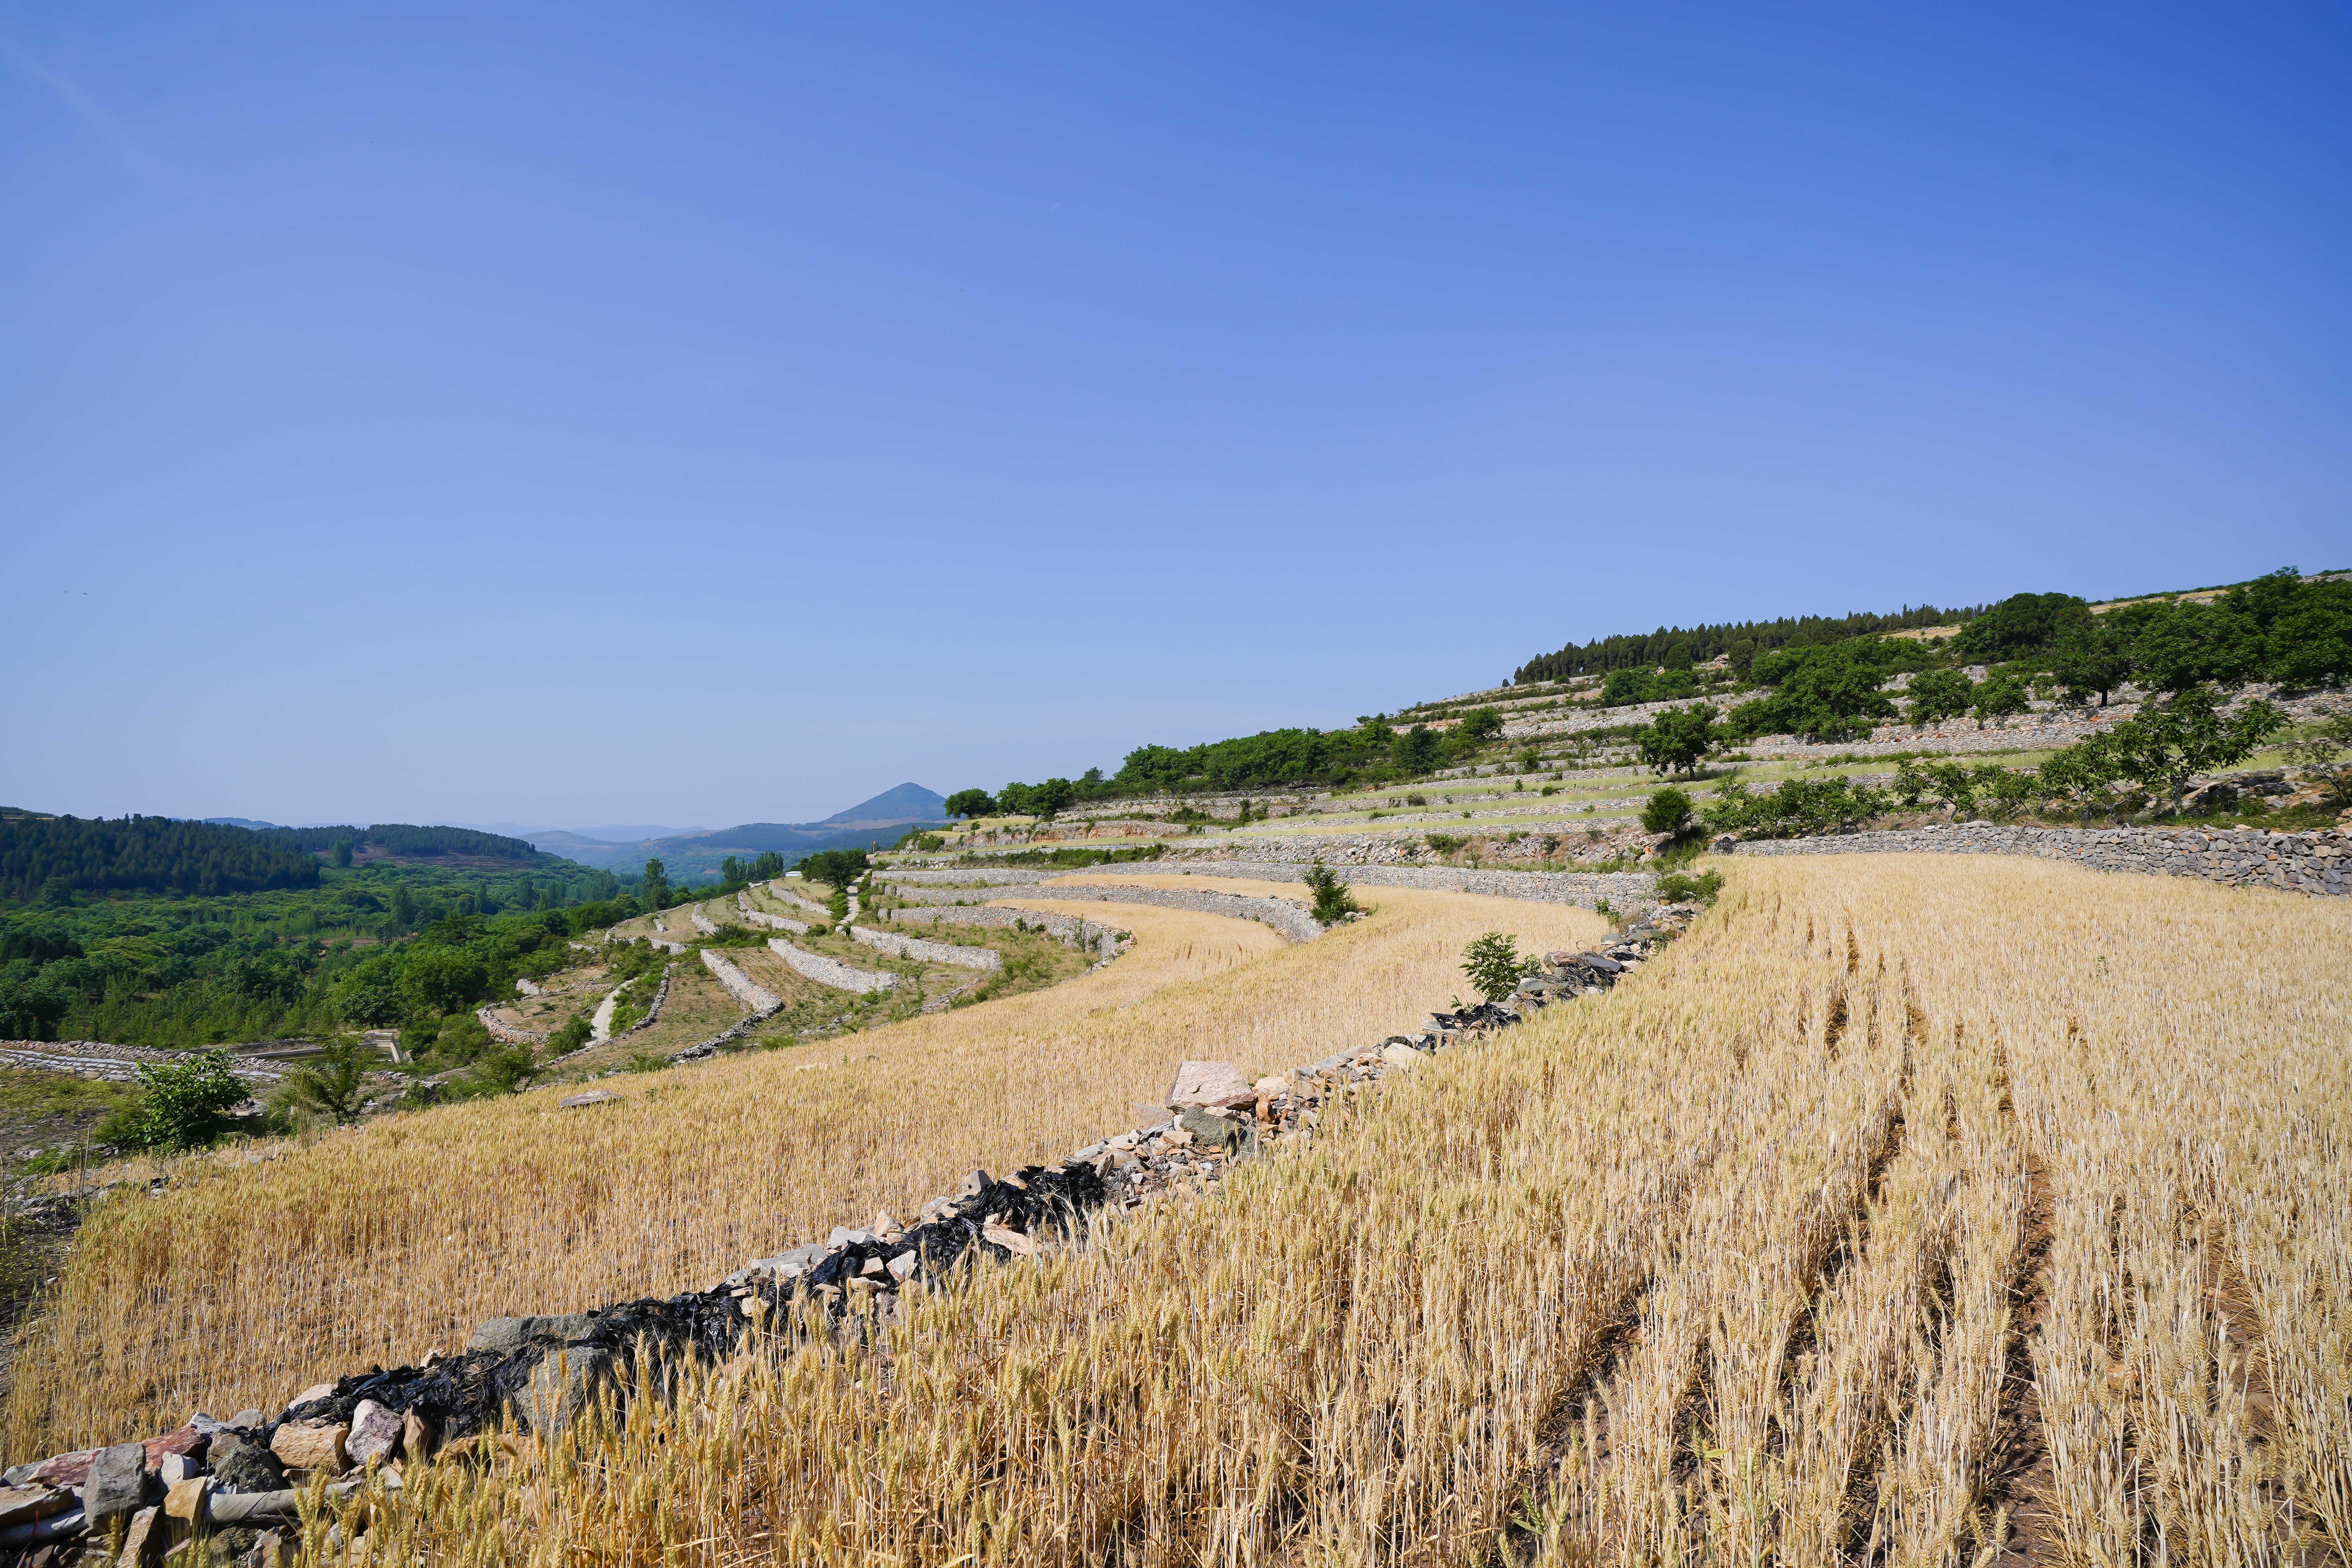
(242, 1281)
(1906, 1211)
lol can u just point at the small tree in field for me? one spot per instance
(969, 803)
(1939, 694)
(2165, 746)
(1668, 810)
(1333, 901)
(2320, 749)
(1679, 738)
(1495, 964)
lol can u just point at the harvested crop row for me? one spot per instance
(242, 1283)
(1720, 1265)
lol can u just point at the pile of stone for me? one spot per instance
(240, 1477)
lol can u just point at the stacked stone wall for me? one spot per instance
(2242, 857)
(740, 986)
(830, 972)
(926, 951)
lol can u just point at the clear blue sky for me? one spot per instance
(705, 414)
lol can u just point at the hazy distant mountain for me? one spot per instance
(685, 855)
(615, 833)
(239, 822)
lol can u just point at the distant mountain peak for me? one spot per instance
(906, 802)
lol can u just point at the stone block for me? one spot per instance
(1217, 1086)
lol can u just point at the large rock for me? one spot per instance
(307, 1446)
(562, 1386)
(1207, 1127)
(505, 1336)
(143, 1538)
(117, 1484)
(375, 1433)
(1218, 1086)
(241, 1466)
(22, 1505)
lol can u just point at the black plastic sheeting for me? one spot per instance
(467, 1393)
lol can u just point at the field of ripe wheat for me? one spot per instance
(241, 1283)
(1908, 1211)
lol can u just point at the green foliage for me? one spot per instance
(569, 1036)
(334, 1084)
(1624, 688)
(1667, 810)
(1742, 642)
(181, 1103)
(1822, 693)
(1333, 901)
(1479, 726)
(1444, 843)
(1998, 697)
(1681, 888)
(653, 884)
(838, 868)
(501, 1069)
(1960, 786)
(969, 803)
(1937, 695)
(2021, 624)
(442, 977)
(2092, 658)
(2165, 746)
(151, 854)
(1678, 740)
(2320, 749)
(1071, 856)
(340, 852)
(1416, 750)
(1494, 965)
(1799, 806)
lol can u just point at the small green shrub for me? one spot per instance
(569, 1036)
(1668, 810)
(334, 1084)
(1679, 887)
(1495, 964)
(1444, 843)
(180, 1103)
(1333, 901)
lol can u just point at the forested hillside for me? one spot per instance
(152, 854)
(1679, 647)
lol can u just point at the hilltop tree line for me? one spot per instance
(161, 855)
(1680, 647)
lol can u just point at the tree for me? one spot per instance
(1997, 697)
(2167, 744)
(404, 907)
(834, 867)
(1494, 963)
(2021, 624)
(1937, 695)
(370, 993)
(768, 867)
(1333, 901)
(2320, 750)
(1677, 739)
(1416, 750)
(2093, 656)
(1624, 688)
(437, 979)
(340, 852)
(972, 803)
(570, 1035)
(1667, 811)
(656, 885)
(2180, 645)
(333, 1084)
(181, 1102)
(1480, 725)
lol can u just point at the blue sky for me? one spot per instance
(583, 413)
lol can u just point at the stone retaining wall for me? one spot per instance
(1061, 928)
(960, 897)
(506, 1033)
(2242, 857)
(830, 972)
(917, 948)
(740, 986)
(777, 891)
(761, 918)
(1003, 875)
(1624, 890)
(1287, 919)
(703, 923)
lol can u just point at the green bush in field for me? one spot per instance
(1333, 901)
(180, 1104)
(1668, 810)
(1495, 964)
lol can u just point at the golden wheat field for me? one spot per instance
(1910, 1210)
(243, 1282)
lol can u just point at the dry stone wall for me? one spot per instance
(1287, 919)
(2243, 857)
(1626, 891)
(927, 952)
(831, 972)
(762, 919)
(740, 986)
(1061, 928)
